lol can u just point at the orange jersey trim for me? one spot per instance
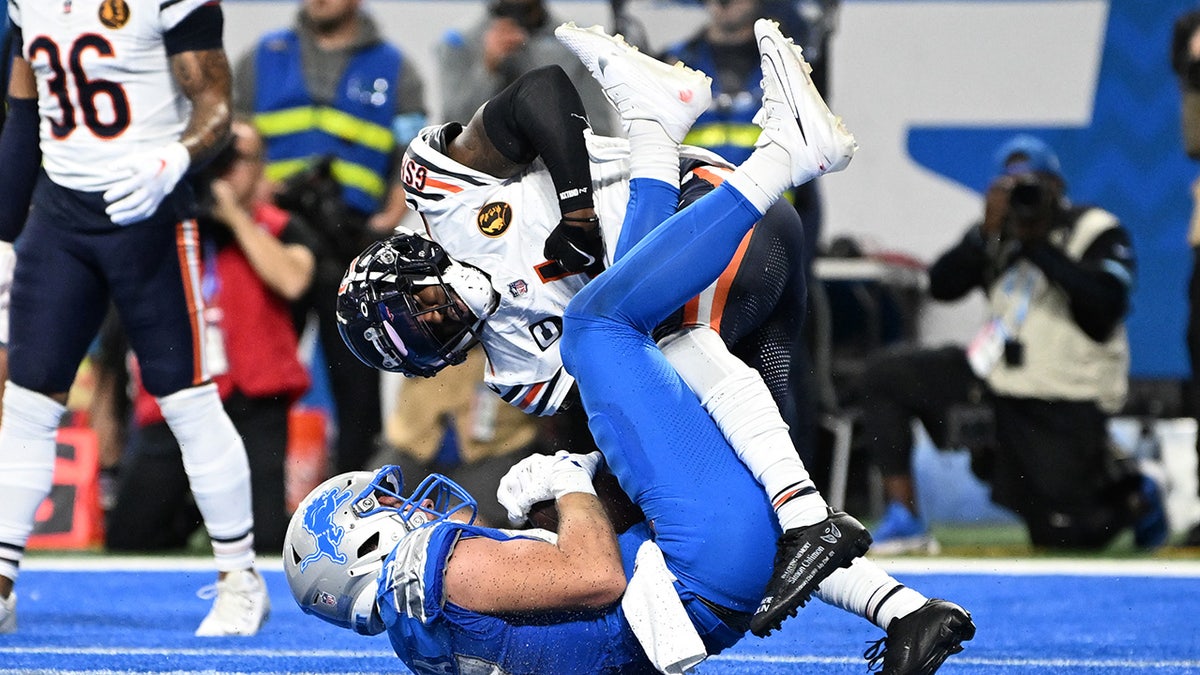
(187, 243)
(442, 185)
(532, 395)
(720, 292)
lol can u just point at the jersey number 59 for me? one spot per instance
(414, 175)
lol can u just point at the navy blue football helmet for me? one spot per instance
(405, 306)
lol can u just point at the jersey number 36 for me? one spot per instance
(87, 89)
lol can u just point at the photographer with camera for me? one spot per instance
(1032, 393)
(257, 261)
(337, 101)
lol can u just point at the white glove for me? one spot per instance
(8, 263)
(540, 478)
(148, 178)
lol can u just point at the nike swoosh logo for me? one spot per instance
(779, 76)
(602, 63)
(591, 260)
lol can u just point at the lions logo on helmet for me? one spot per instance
(318, 522)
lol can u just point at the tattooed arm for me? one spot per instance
(205, 79)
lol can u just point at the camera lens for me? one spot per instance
(1026, 195)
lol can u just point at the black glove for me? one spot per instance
(576, 249)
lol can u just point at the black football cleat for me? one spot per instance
(919, 643)
(804, 556)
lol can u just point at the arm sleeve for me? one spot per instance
(541, 115)
(172, 12)
(1097, 286)
(961, 269)
(20, 163)
(198, 31)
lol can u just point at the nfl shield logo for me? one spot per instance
(518, 288)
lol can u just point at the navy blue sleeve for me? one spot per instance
(1098, 285)
(20, 162)
(200, 31)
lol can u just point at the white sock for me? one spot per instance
(27, 447)
(218, 471)
(738, 400)
(652, 153)
(763, 177)
(866, 590)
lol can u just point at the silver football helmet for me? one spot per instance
(344, 529)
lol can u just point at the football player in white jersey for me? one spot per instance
(115, 100)
(490, 199)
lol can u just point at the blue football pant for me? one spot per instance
(708, 514)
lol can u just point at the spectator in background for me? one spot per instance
(331, 87)
(514, 38)
(725, 49)
(454, 425)
(256, 262)
(1185, 61)
(1050, 365)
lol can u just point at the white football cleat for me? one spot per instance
(240, 608)
(639, 86)
(8, 613)
(794, 116)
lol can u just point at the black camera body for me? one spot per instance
(214, 168)
(1033, 204)
(1028, 196)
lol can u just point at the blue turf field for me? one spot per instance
(137, 615)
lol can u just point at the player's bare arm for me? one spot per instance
(205, 79)
(583, 571)
(22, 83)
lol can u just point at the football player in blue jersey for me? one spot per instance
(457, 598)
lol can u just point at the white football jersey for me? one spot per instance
(500, 226)
(105, 89)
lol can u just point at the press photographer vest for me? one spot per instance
(355, 127)
(1060, 361)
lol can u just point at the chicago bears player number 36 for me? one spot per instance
(111, 102)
